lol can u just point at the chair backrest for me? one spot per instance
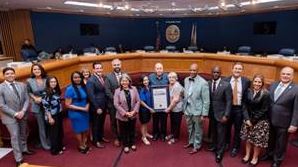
(244, 50)
(193, 48)
(89, 50)
(171, 48)
(287, 52)
(28, 54)
(110, 49)
(148, 48)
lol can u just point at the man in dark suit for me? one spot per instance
(111, 84)
(97, 98)
(239, 86)
(219, 111)
(14, 102)
(283, 115)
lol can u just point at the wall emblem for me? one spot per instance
(172, 33)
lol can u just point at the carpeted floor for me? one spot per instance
(159, 154)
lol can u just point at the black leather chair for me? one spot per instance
(244, 50)
(193, 48)
(171, 48)
(149, 48)
(287, 52)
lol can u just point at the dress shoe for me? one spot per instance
(116, 143)
(163, 139)
(187, 145)
(155, 138)
(133, 148)
(105, 140)
(99, 145)
(295, 142)
(275, 164)
(19, 163)
(211, 148)
(193, 151)
(218, 158)
(126, 150)
(266, 157)
(28, 152)
(234, 152)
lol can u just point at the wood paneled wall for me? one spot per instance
(15, 26)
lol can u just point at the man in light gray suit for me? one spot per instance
(14, 102)
(196, 107)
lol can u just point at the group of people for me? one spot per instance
(262, 118)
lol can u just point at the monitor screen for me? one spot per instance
(89, 29)
(265, 28)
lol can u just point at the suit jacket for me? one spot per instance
(10, 104)
(111, 84)
(220, 100)
(245, 85)
(284, 111)
(96, 93)
(198, 100)
(256, 108)
(120, 102)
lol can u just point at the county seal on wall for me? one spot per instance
(172, 33)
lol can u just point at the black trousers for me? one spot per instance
(236, 120)
(278, 142)
(56, 134)
(160, 124)
(217, 133)
(127, 132)
(98, 126)
(176, 118)
(113, 121)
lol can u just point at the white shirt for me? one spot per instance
(239, 90)
(9, 85)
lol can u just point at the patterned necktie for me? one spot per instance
(278, 91)
(15, 90)
(235, 92)
(214, 86)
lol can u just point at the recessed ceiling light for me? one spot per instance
(49, 8)
(81, 10)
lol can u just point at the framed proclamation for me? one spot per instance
(160, 97)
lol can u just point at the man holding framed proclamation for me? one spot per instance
(159, 78)
(160, 97)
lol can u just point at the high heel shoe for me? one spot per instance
(145, 141)
(244, 161)
(253, 164)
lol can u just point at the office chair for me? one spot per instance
(244, 50)
(287, 52)
(111, 49)
(171, 48)
(193, 48)
(149, 48)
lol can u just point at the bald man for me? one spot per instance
(159, 78)
(283, 115)
(196, 107)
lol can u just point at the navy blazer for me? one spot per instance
(284, 111)
(245, 85)
(96, 93)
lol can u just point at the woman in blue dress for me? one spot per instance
(145, 109)
(78, 107)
